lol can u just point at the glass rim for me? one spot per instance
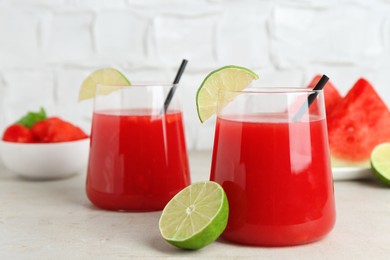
(274, 90)
(142, 84)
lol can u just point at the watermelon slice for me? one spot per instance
(331, 94)
(356, 125)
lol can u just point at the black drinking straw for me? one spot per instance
(173, 89)
(320, 85)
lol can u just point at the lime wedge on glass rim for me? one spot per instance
(110, 77)
(233, 78)
(380, 162)
(196, 216)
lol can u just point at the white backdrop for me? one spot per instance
(47, 47)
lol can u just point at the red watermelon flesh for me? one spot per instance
(357, 124)
(331, 94)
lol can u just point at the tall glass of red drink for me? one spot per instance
(138, 157)
(274, 166)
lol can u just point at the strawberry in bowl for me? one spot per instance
(41, 147)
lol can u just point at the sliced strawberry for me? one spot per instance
(55, 129)
(79, 133)
(18, 133)
(40, 129)
(64, 131)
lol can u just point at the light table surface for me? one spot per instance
(55, 220)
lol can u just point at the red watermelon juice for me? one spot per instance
(138, 161)
(277, 178)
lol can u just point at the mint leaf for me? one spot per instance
(32, 117)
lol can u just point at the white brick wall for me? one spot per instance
(47, 47)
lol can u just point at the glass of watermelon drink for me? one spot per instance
(138, 157)
(273, 166)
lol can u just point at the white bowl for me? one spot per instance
(45, 160)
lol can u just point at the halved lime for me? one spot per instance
(231, 77)
(380, 162)
(110, 77)
(196, 216)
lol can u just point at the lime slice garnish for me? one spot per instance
(233, 78)
(111, 78)
(196, 216)
(380, 162)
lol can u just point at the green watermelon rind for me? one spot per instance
(337, 162)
